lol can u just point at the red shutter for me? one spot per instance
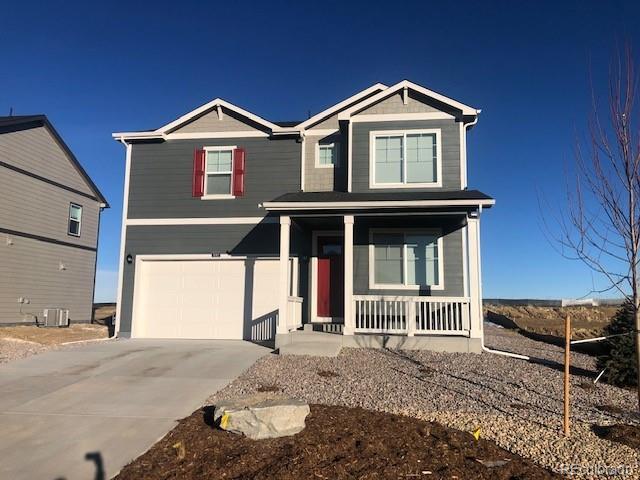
(238, 171)
(198, 173)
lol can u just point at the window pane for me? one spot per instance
(75, 213)
(213, 161)
(421, 158)
(422, 260)
(74, 227)
(388, 258)
(219, 161)
(218, 184)
(225, 161)
(389, 159)
(327, 155)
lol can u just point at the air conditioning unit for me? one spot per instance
(56, 317)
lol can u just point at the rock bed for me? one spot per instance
(515, 403)
(14, 349)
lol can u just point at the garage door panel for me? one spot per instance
(165, 322)
(218, 299)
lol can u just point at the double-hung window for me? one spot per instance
(406, 159)
(218, 171)
(75, 219)
(405, 259)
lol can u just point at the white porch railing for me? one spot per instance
(402, 315)
(294, 313)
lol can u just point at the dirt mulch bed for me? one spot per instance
(53, 335)
(626, 434)
(337, 443)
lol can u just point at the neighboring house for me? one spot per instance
(49, 217)
(357, 220)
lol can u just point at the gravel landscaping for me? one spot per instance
(515, 403)
(15, 349)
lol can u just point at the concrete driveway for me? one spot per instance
(67, 414)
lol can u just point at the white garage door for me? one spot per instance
(209, 299)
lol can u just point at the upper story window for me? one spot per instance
(406, 159)
(405, 259)
(327, 155)
(219, 171)
(75, 219)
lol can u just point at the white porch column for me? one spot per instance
(349, 314)
(475, 278)
(283, 291)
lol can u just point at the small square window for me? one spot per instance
(75, 219)
(327, 155)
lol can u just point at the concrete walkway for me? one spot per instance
(70, 413)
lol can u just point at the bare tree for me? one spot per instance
(601, 224)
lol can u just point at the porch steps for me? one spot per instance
(333, 328)
(309, 342)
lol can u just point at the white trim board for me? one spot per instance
(201, 221)
(275, 206)
(321, 132)
(189, 136)
(338, 106)
(395, 117)
(465, 109)
(123, 233)
(210, 106)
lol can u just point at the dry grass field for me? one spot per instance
(586, 322)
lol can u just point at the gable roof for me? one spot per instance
(464, 109)
(25, 122)
(210, 106)
(341, 105)
(343, 109)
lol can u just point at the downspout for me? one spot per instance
(502, 352)
(125, 202)
(485, 348)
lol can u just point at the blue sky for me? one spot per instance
(96, 68)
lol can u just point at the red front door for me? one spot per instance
(330, 277)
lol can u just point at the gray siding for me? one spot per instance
(35, 262)
(320, 179)
(261, 239)
(36, 151)
(453, 255)
(31, 269)
(209, 122)
(161, 178)
(38, 208)
(395, 104)
(450, 137)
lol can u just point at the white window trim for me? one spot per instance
(383, 286)
(335, 146)
(77, 205)
(384, 133)
(218, 196)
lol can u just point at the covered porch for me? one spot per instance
(350, 300)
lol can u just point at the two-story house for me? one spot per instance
(356, 221)
(49, 220)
